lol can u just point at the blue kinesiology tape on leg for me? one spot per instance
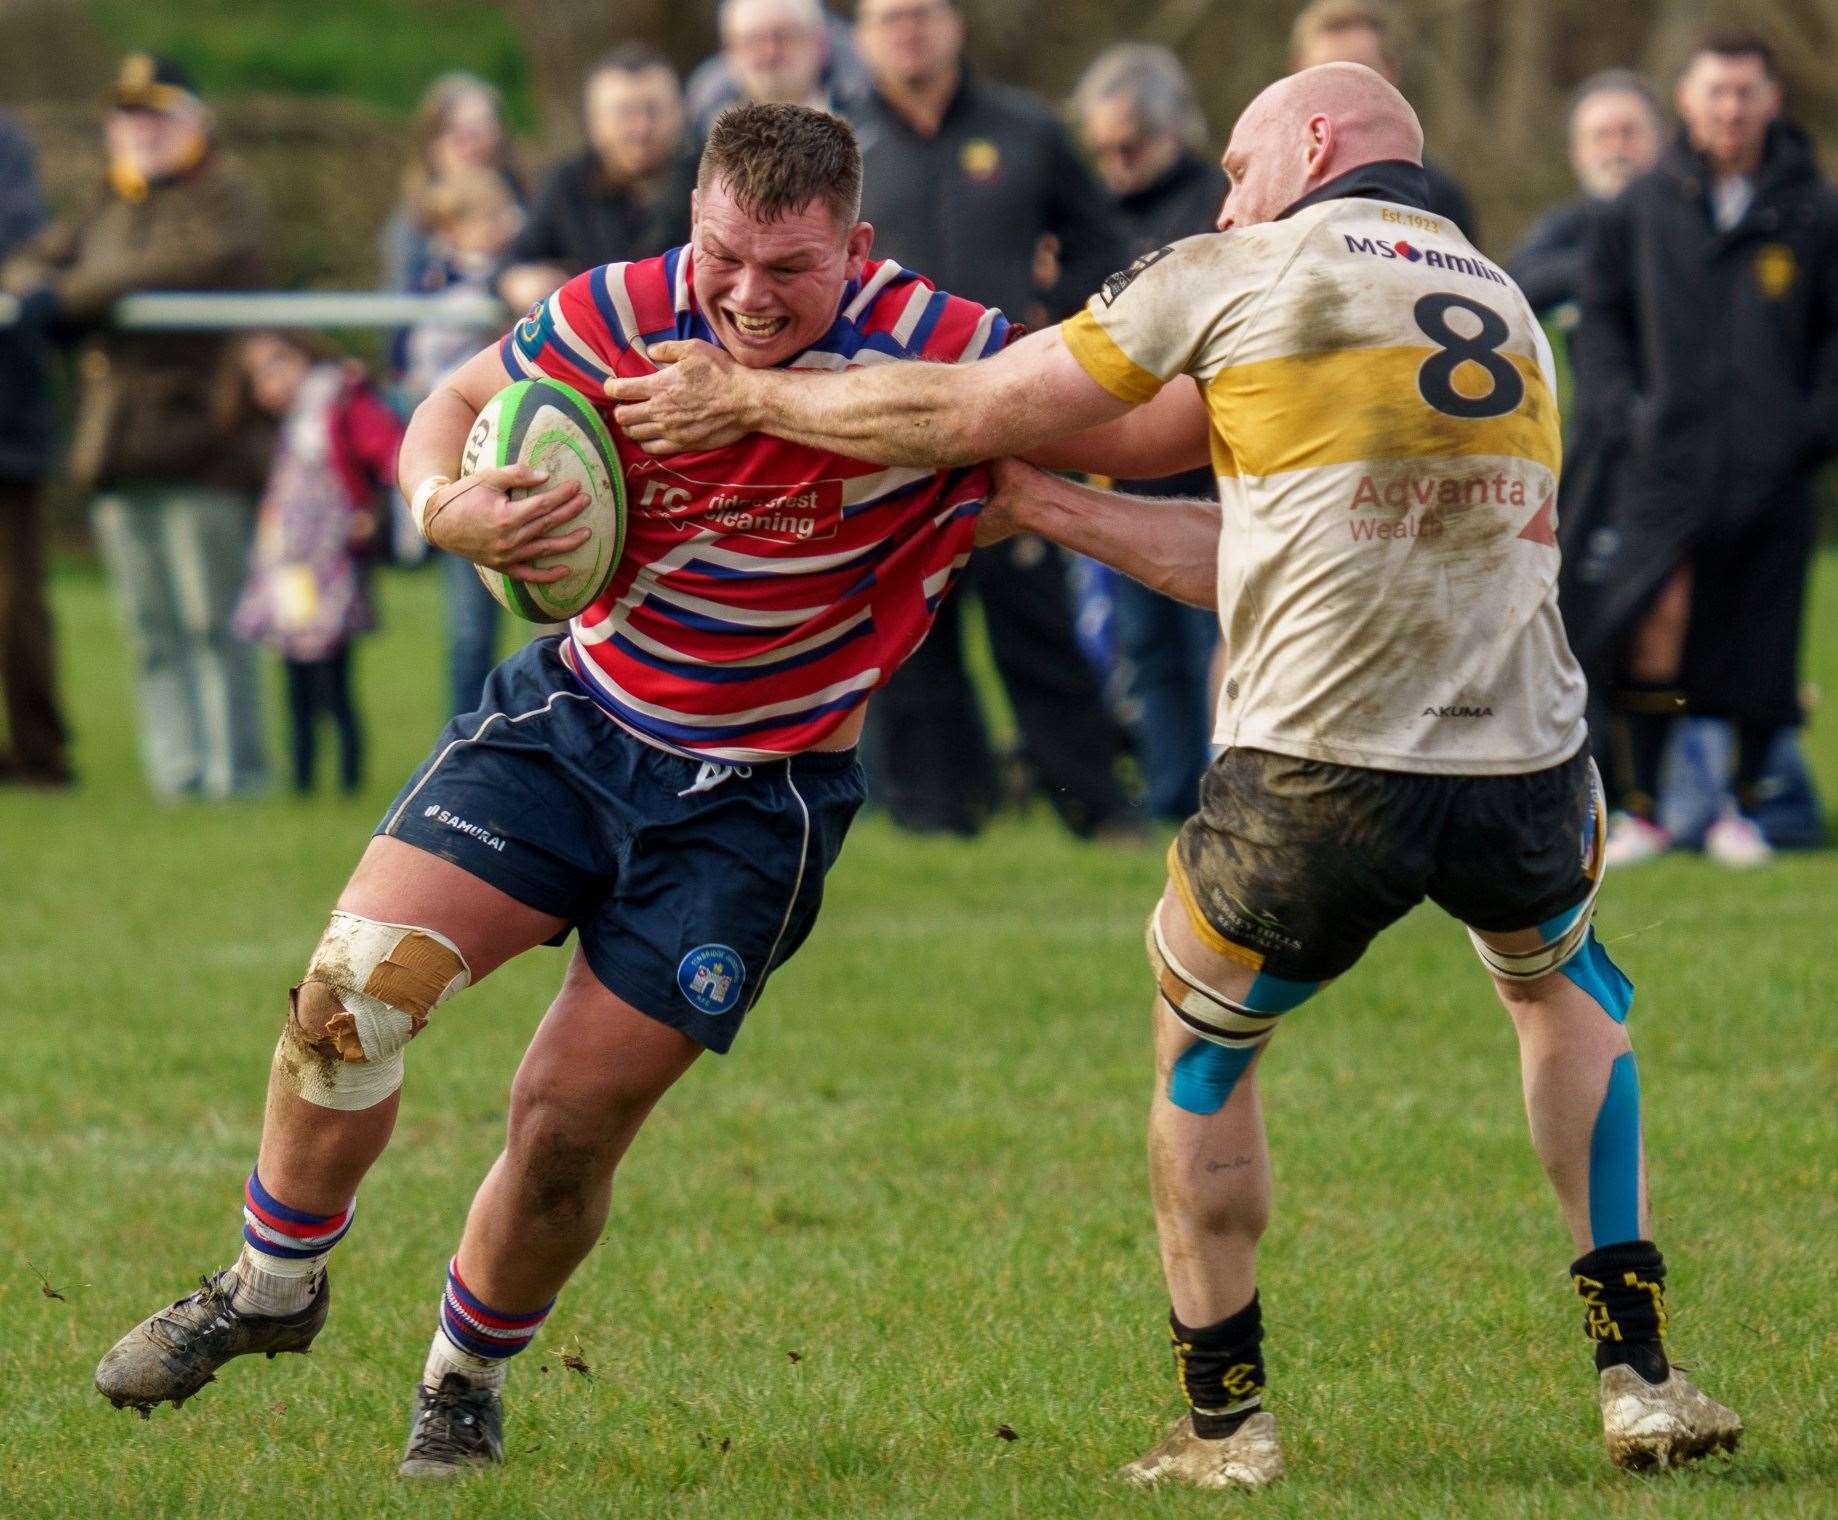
(1614, 1159)
(1204, 1075)
(1592, 970)
(1614, 1143)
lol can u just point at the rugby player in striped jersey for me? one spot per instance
(1401, 716)
(671, 779)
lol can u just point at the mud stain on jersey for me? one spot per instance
(1318, 320)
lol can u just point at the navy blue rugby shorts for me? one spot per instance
(686, 900)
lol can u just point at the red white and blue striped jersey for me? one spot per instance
(767, 588)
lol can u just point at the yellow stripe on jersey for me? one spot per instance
(1110, 366)
(1307, 411)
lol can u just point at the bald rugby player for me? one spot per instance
(1401, 716)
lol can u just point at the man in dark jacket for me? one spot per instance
(963, 178)
(623, 196)
(34, 725)
(1367, 31)
(1141, 126)
(157, 437)
(1708, 352)
(1616, 132)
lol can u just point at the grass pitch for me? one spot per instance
(909, 1212)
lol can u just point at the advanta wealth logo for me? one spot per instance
(1430, 258)
(453, 821)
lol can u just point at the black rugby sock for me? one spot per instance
(1753, 742)
(1623, 1289)
(1645, 711)
(1221, 1368)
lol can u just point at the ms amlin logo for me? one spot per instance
(1430, 258)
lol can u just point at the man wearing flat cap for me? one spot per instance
(159, 440)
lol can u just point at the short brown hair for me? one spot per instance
(1734, 42)
(776, 159)
(1326, 17)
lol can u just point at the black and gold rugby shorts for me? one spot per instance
(1291, 866)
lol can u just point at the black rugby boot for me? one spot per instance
(458, 1428)
(173, 1353)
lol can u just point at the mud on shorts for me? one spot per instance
(689, 884)
(1294, 865)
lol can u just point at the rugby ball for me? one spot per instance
(551, 426)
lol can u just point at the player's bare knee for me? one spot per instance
(1526, 997)
(368, 991)
(312, 1006)
(549, 1107)
(1224, 1026)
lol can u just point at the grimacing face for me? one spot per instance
(1614, 138)
(634, 119)
(1727, 104)
(770, 289)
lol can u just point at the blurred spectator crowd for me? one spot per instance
(241, 484)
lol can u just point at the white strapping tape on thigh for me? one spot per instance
(1529, 965)
(387, 978)
(1208, 1013)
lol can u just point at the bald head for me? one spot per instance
(1309, 128)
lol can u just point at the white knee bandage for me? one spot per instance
(1207, 1012)
(1568, 932)
(380, 982)
(1529, 965)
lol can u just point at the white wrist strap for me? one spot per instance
(424, 493)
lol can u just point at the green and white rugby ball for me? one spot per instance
(551, 426)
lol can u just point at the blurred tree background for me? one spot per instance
(317, 96)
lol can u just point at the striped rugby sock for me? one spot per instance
(474, 1339)
(284, 1251)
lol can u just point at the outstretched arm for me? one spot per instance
(1171, 546)
(1165, 436)
(903, 414)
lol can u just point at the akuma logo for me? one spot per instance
(1431, 258)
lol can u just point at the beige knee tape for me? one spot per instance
(1529, 965)
(1208, 1013)
(385, 979)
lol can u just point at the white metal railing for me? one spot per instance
(206, 311)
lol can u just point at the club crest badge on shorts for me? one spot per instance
(711, 978)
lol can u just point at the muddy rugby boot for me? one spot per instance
(1249, 1457)
(170, 1355)
(458, 1428)
(1654, 1425)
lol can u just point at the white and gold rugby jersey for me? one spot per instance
(1385, 437)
